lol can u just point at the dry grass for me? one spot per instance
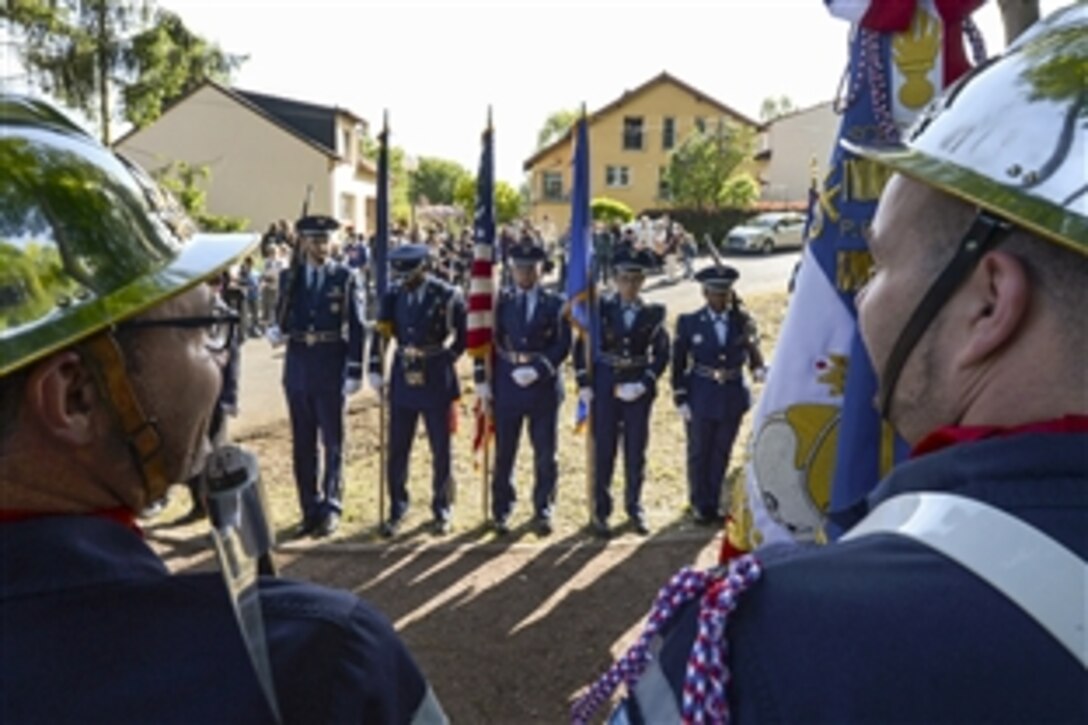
(664, 492)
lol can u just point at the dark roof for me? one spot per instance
(313, 121)
(627, 96)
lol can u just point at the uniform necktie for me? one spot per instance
(720, 328)
(629, 313)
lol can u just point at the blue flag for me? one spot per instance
(381, 244)
(581, 296)
(580, 258)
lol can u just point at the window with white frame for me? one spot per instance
(617, 176)
(552, 183)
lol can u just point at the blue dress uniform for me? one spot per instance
(884, 628)
(426, 317)
(324, 335)
(709, 354)
(93, 628)
(634, 348)
(530, 332)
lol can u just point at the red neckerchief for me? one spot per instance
(120, 515)
(953, 435)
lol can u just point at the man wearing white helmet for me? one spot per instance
(960, 596)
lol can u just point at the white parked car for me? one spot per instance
(766, 233)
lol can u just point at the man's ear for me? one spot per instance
(998, 297)
(61, 395)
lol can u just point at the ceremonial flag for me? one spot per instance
(381, 243)
(481, 295)
(815, 423)
(580, 257)
(580, 272)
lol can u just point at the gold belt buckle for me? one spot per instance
(310, 339)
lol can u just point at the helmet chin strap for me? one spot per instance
(141, 432)
(984, 233)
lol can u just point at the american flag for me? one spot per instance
(481, 291)
(481, 295)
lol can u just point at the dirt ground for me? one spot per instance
(508, 630)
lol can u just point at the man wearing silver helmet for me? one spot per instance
(110, 354)
(960, 596)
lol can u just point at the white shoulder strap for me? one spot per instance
(1042, 577)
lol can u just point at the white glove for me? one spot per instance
(685, 412)
(759, 375)
(376, 381)
(630, 392)
(525, 376)
(585, 395)
(352, 386)
(229, 410)
(483, 392)
(274, 336)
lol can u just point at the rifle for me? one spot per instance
(287, 295)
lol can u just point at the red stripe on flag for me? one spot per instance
(480, 303)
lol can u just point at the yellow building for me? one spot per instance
(629, 140)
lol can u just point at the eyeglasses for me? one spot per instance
(220, 329)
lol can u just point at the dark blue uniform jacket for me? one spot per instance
(93, 628)
(882, 629)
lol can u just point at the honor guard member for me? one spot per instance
(711, 348)
(960, 596)
(532, 337)
(324, 336)
(110, 347)
(426, 317)
(634, 352)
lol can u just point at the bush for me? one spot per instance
(610, 211)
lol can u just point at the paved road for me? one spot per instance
(262, 399)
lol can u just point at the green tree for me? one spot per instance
(188, 184)
(508, 204)
(772, 108)
(434, 179)
(90, 53)
(739, 192)
(167, 61)
(555, 125)
(508, 201)
(702, 165)
(400, 208)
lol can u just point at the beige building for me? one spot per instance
(630, 141)
(795, 147)
(262, 152)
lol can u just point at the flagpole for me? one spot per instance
(383, 231)
(588, 348)
(488, 376)
(591, 439)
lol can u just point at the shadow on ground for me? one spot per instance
(507, 629)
